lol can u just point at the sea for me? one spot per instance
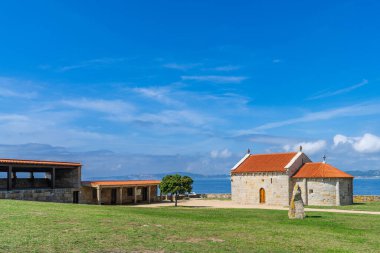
(362, 186)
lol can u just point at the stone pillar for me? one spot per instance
(99, 195)
(296, 207)
(135, 194)
(149, 194)
(337, 192)
(9, 182)
(121, 195)
(52, 178)
(306, 192)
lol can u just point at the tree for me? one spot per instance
(176, 184)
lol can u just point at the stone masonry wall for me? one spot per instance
(50, 195)
(297, 164)
(345, 191)
(216, 195)
(245, 188)
(26, 183)
(323, 191)
(66, 178)
(318, 191)
(366, 198)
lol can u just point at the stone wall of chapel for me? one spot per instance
(346, 191)
(298, 164)
(318, 191)
(245, 188)
(323, 191)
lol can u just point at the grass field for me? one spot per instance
(51, 227)
(367, 206)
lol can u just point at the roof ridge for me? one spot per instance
(282, 153)
(320, 170)
(32, 160)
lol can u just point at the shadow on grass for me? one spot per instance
(313, 216)
(175, 207)
(194, 206)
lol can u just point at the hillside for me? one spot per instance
(159, 176)
(356, 173)
(366, 174)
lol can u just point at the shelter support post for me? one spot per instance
(53, 178)
(9, 181)
(99, 195)
(149, 194)
(135, 194)
(121, 195)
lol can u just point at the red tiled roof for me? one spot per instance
(265, 163)
(36, 162)
(320, 170)
(121, 183)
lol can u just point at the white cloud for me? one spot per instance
(49, 127)
(348, 111)
(100, 105)
(225, 68)
(160, 94)
(307, 147)
(216, 79)
(225, 153)
(341, 139)
(338, 92)
(91, 63)
(368, 143)
(173, 117)
(13, 117)
(181, 66)
(18, 90)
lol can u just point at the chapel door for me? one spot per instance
(262, 196)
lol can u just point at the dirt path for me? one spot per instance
(206, 203)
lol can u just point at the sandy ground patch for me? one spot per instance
(205, 203)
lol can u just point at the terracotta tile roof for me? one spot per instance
(320, 170)
(121, 183)
(265, 163)
(36, 162)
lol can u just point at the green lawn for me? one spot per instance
(365, 206)
(50, 227)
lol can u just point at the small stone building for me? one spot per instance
(40, 180)
(270, 179)
(323, 184)
(119, 192)
(61, 182)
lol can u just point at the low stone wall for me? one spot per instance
(63, 195)
(366, 198)
(216, 196)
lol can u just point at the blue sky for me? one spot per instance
(153, 86)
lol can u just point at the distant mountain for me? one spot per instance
(159, 176)
(368, 173)
(355, 173)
